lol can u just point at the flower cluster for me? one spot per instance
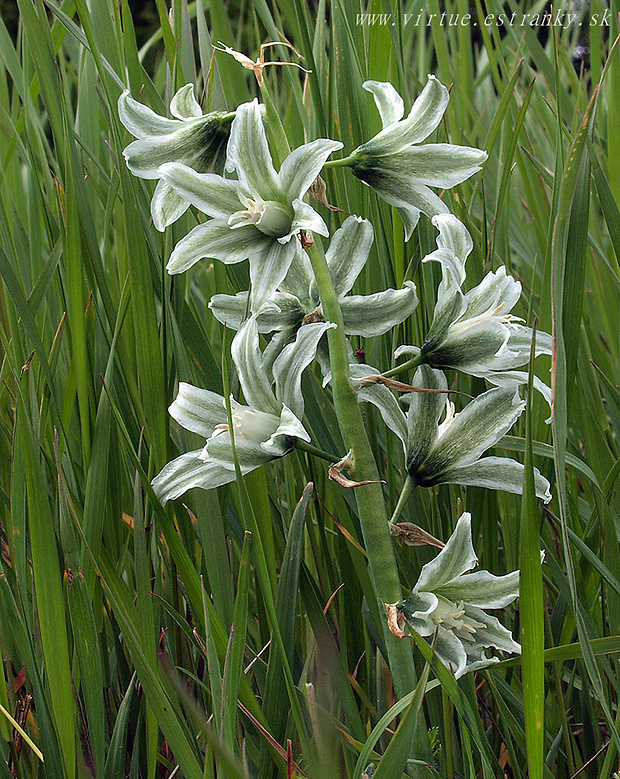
(221, 164)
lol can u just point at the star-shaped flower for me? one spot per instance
(257, 216)
(450, 451)
(264, 430)
(399, 167)
(475, 332)
(193, 138)
(298, 299)
(448, 606)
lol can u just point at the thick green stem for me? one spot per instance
(370, 503)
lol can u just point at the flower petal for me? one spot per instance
(479, 426)
(457, 557)
(470, 348)
(198, 410)
(269, 264)
(510, 378)
(405, 192)
(454, 236)
(348, 252)
(449, 308)
(416, 608)
(450, 650)
(215, 239)
(166, 206)
(250, 453)
(248, 360)
(281, 311)
(496, 473)
(493, 633)
(454, 245)
(289, 430)
(496, 289)
(380, 397)
(293, 360)
(142, 121)
(248, 153)
(437, 164)
(184, 105)
(482, 589)
(300, 169)
(425, 409)
(306, 218)
(389, 103)
(208, 192)
(299, 277)
(188, 471)
(424, 117)
(370, 315)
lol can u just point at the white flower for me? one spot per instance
(256, 216)
(267, 428)
(450, 451)
(401, 169)
(447, 605)
(475, 332)
(298, 299)
(192, 138)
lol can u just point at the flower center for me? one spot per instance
(452, 616)
(270, 217)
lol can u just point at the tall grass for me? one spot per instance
(143, 642)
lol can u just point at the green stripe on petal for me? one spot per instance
(142, 121)
(281, 311)
(456, 558)
(216, 240)
(188, 471)
(370, 315)
(198, 410)
(348, 252)
(248, 360)
(468, 434)
(423, 119)
(166, 206)
(493, 633)
(208, 192)
(380, 397)
(293, 360)
(437, 164)
(248, 153)
(450, 650)
(483, 590)
(496, 473)
(269, 264)
(425, 409)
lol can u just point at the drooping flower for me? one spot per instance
(475, 332)
(399, 167)
(267, 428)
(193, 138)
(450, 451)
(257, 216)
(298, 299)
(448, 606)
